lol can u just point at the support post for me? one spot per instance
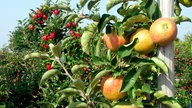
(166, 83)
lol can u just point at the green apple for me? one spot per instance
(187, 3)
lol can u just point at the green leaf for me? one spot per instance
(146, 88)
(98, 47)
(123, 9)
(62, 7)
(100, 60)
(106, 18)
(63, 57)
(56, 49)
(152, 9)
(92, 3)
(130, 21)
(35, 55)
(108, 56)
(70, 18)
(171, 103)
(78, 105)
(88, 34)
(159, 94)
(161, 64)
(95, 81)
(68, 91)
(112, 3)
(131, 78)
(61, 98)
(78, 19)
(126, 50)
(103, 105)
(179, 19)
(79, 84)
(141, 61)
(95, 17)
(77, 68)
(83, 2)
(48, 74)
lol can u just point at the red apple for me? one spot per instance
(163, 31)
(111, 86)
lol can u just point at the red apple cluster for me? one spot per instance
(72, 29)
(39, 16)
(45, 37)
(52, 35)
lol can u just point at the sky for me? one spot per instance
(14, 10)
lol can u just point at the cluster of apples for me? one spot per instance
(40, 16)
(162, 32)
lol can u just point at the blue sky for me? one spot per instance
(14, 10)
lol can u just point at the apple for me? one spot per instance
(111, 86)
(163, 31)
(186, 3)
(145, 44)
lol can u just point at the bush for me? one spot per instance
(19, 79)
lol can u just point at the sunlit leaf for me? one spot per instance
(83, 2)
(56, 49)
(92, 3)
(161, 64)
(146, 88)
(62, 7)
(159, 94)
(128, 22)
(179, 19)
(78, 83)
(70, 18)
(95, 17)
(61, 98)
(88, 34)
(48, 74)
(152, 9)
(36, 55)
(69, 91)
(98, 47)
(171, 103)
(112, 3)
(77, 68)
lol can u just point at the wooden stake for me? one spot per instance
(166, 83)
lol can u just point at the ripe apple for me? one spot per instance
(111, 86)
(145, 44)
(163, 31)
(31, 27)
(113, 41)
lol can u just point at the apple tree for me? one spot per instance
(81, 48)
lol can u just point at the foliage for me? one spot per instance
(183, 63)
(19, 80)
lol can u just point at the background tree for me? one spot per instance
(183, 69)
